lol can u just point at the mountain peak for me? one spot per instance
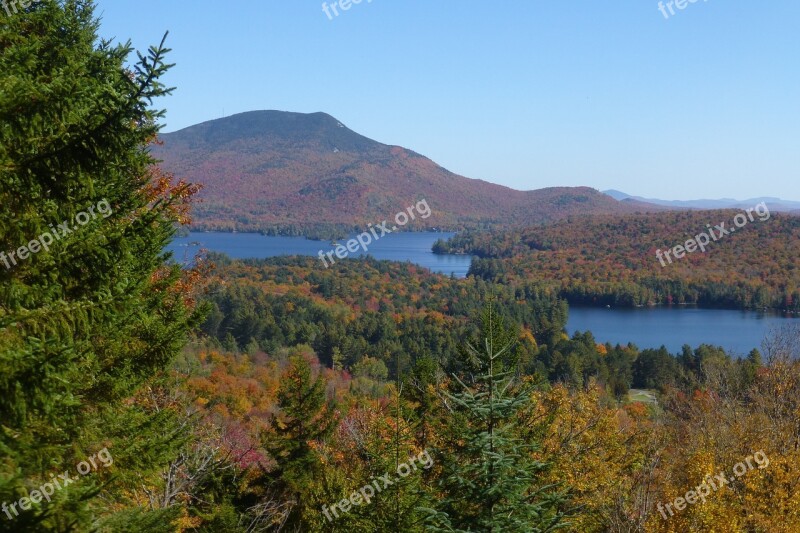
(300, 129)
(264, 170)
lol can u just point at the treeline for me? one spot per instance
(313, 231)
(611, 260)
(391, 315)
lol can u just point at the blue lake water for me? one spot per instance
(413, 247)
(736, 331)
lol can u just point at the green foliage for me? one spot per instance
(420, 385)
(86, 321)
(305, 418)
(135, 520)
(365, 308)
(489, 481)
(655, 369)
(389, 449)
(371, 368)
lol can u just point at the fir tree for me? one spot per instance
(89, 313)
(391, 450)
(305, 418)
(489, 479)
(421, 384)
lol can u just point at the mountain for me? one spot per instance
(775, 204)
(292, 173)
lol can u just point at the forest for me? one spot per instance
(291, 416)
(390, 315)
(611, 260)
(138, 394)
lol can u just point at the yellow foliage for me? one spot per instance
(527, 336)
(590, 448)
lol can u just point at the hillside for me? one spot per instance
(611, 260)
(293, 172)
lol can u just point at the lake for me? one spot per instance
(736, 331)
(413, 247)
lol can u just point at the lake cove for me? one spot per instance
(736, 331)
(414, 247)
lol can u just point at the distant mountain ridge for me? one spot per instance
(775, 204)
(286, 172)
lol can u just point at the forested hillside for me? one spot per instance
(308, 174)
(612, 260)
(390, 312)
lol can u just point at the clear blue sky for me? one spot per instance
(525, 93)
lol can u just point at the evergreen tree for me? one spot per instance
(391, 451)
(420, 385)
(750, 367)
(305, 418)
(89, 312)
(489, 479)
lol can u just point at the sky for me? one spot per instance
(702, 103)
